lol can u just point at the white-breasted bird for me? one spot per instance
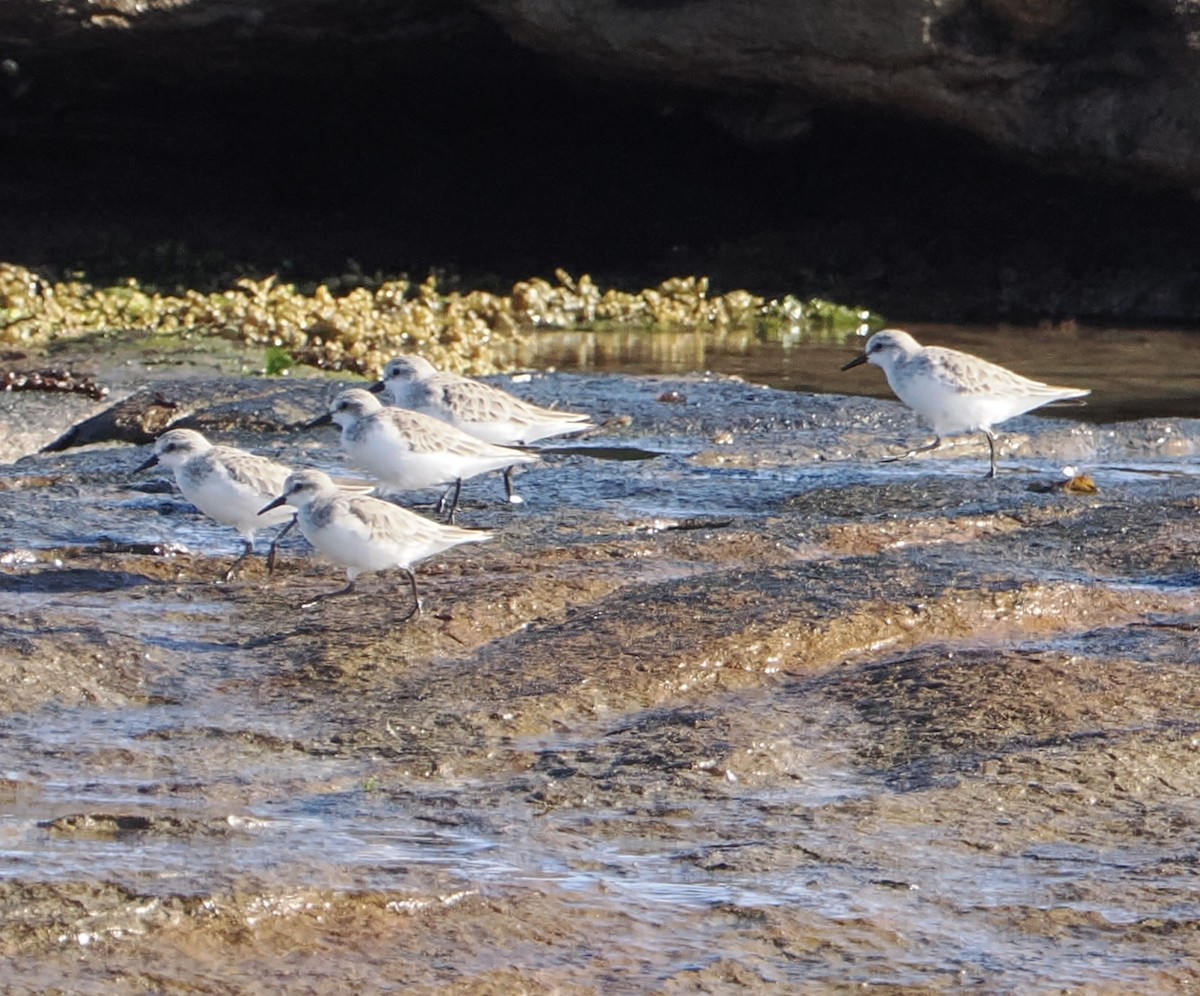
(407, 450)
(953, 391)
(227, 484)
(365, 534)
(478, 409)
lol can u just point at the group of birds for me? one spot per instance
(445, 429)
(452, 429)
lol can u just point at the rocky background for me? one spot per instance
(970, 158)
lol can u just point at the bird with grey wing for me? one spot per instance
(478, 409)
(409, 451)
(364, 534)
(227, 484)
(955, 392)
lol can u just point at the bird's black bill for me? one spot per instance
(152, 461)
(282, 499)
(377, 388)
(856, 361)
(320, 420)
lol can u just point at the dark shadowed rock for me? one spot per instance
(1097, 86)
(252, 404)
(918, 159)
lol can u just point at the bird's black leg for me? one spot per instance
(453, 503)
(508, 486)
(937, 441)
(991, 438)
(233, 568)
(412, 582)
(275, 543)
(329, 594)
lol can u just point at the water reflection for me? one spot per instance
(1133, 373)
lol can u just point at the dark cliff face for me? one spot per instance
(1100, 87)
(179, 140)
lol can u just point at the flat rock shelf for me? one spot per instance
(727, 702)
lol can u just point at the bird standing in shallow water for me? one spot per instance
(953, 391)
(365, 534)
(478, 409)
(227, 484)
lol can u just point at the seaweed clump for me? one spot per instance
(361, 327)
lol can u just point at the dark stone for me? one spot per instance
(979, 158)
(248, 404)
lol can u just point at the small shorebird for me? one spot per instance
(227, 484)
(408, 450)
(478, 409)
(953, 391)
(365, 534)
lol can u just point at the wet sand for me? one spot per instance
(758, 712)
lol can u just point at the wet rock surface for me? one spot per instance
(758, 711)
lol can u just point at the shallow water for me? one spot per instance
(859, 723)
(1133, 372)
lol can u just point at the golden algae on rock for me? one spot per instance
(359, 327)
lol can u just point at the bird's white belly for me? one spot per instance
(347, 542)
(514, 432)
(496, 433)
(394, 463)
(946, 410)
(231, 504)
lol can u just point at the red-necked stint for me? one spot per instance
(365, 534)
(953, 391)
(227, 484)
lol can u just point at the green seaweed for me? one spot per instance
(278, 361)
